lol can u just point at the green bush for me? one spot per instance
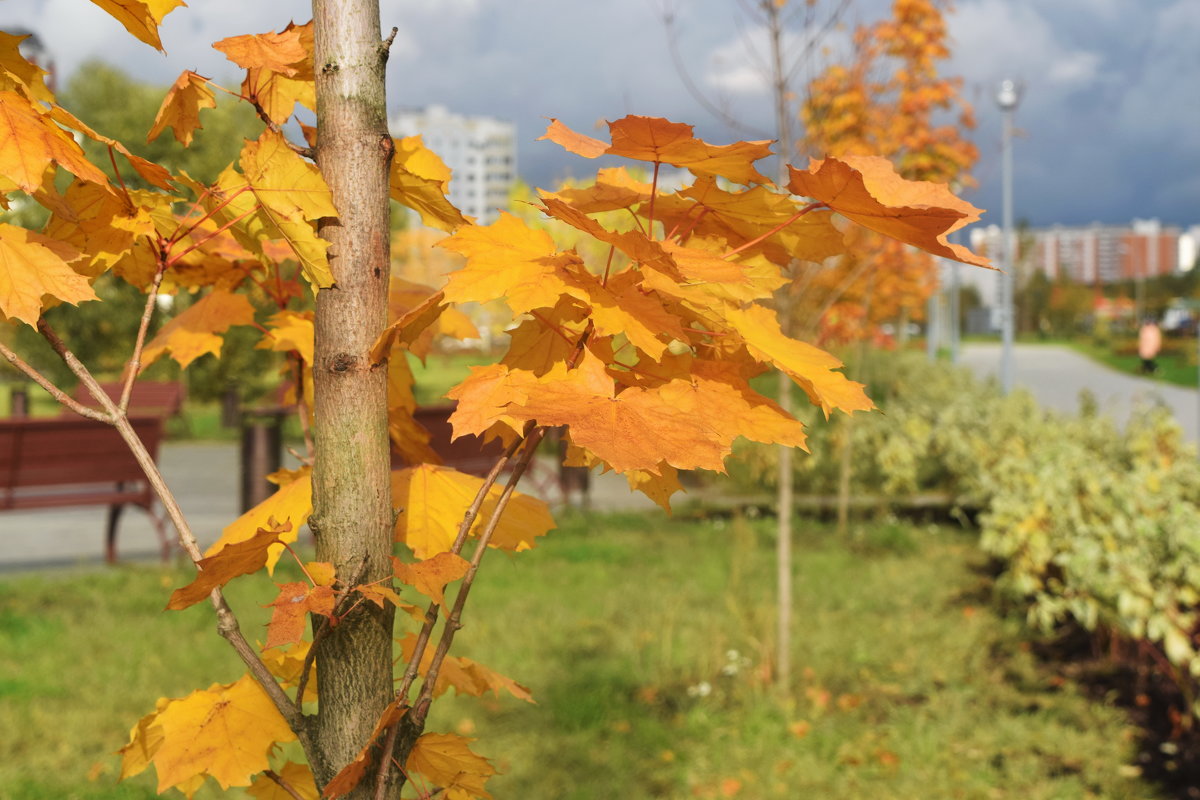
(1090, 524)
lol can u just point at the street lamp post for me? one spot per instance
(1007, 97)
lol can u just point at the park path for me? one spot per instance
(205, 477)
(1055, 376)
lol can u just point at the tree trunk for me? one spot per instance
(352, 511)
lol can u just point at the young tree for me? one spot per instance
(645, 356)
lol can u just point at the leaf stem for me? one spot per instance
(776, 229)
(653, 197)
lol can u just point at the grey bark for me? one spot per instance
(352, 509)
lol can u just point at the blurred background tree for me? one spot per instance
(121, 107)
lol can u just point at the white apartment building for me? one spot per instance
(480, 151)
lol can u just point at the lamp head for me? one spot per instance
(1008, 95)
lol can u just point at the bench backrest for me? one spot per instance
(63, 451)
(149, 398)
(469, 453)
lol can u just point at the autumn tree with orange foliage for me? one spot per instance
(644, 354)
(890, 101)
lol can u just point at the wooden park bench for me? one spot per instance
(73, 461)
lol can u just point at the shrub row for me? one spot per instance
(1089, 523)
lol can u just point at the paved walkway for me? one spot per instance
(205, 477)
(1056, 375)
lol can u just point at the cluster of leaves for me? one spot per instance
(1091, 524)
(645, 358)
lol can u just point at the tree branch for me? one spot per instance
(227, 623)
(55, 392)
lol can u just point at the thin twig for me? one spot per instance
(275, 776)
(57, 393)
(134, 365)
(455, 621)
(386, 45)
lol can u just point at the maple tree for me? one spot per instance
(890, 100)
(644, 355)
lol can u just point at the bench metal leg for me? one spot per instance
(110, 542)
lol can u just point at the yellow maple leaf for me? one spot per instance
(181, 107)
(30, 142)
(506, 259)
(812, 369)
(290, 192)
(33, 267)
(446, 761)
(226, 732)
(292, 503)
(419, 179)
(19, 74)
(197, 330)
(290, 331)
(433, 500)
(298, 776)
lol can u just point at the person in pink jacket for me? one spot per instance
(1149, 343)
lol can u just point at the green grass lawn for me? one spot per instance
(1177, 369)
(648, 645)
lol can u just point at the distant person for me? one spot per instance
(1149, 343)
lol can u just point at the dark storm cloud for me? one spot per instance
(1110, 116)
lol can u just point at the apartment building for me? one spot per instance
(480, 151)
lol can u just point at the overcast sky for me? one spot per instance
(1109, 119)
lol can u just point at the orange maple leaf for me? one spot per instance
(634, 429)
(240, 558)
(278, 93)
(278, 52)
(869, 191)
(181, 107)
(292, 605)
(429, 577)
(197, 330)
(351, 774)
(658, 140)
(463, 675)
(30, 142)
(141, 17)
